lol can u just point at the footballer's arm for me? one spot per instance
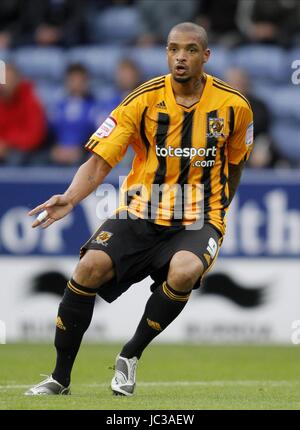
(87, 178)
(234, 177)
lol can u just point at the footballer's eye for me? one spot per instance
(173, 49)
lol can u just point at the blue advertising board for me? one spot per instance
(263, 220)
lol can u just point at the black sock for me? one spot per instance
(163, 306)
(74, 316)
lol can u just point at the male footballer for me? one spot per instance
(191, 134)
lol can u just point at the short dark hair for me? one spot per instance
(77, 68)
(192, 28)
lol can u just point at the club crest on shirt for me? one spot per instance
(215, 127)
(103, 237)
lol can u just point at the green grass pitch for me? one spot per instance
(169, 377)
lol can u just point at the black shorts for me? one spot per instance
(139, 248)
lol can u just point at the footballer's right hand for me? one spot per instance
(52, 210)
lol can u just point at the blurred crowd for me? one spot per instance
(146, 22)
(35, 132)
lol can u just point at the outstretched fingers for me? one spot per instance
(54, 200)
(48, 222)
(41, 218)
(49, 203)
(38, 208)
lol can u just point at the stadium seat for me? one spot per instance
(262, 61)
(152, 61)
(100, 61)
(286, 135)
(283, 101)
(116, 25)
(49, 94)
(41, 63)
(218, 62)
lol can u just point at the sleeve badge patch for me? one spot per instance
(106, 127)
(249, 134)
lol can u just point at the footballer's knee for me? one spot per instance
(94, 269)
(184, 271)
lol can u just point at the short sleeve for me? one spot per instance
(112, 138)
(241, 141)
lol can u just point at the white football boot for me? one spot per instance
(123, 382)
(48, 387)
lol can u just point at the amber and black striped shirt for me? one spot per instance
(184, 152)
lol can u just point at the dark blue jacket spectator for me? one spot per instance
(73, 119)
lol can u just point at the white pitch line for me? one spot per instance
(7, 387)
(224, 383)
(205, 383)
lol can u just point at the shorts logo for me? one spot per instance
(60, 324)
(106, 127)
(215, 127)
(249, 134)
(212, 247)
(103, 237)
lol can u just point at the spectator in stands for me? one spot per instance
(128, 76)
(265, 21)
(111, 21)
(264, 153)
(10, 22)
(219, 21)
(73, 119)
(22, 120)
(53, 22)
(156, 18)
(104, 4)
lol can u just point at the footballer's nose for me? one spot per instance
(181, 57)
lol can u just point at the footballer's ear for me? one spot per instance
(206, 55)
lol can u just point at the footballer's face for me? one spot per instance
(186, 56)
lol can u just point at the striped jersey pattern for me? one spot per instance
(180, 169)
